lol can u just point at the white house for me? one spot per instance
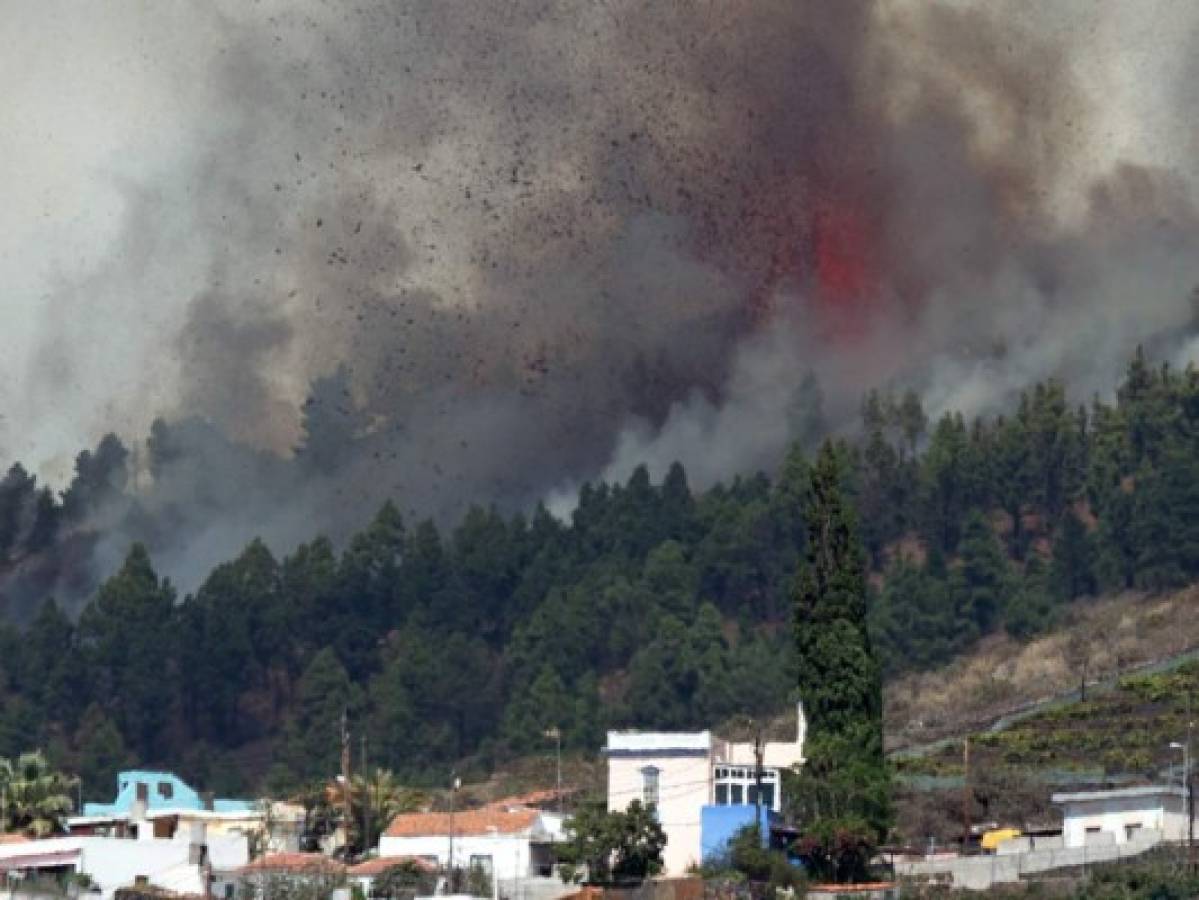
(182, 864)
(680, 773)
(275, 826)
(1123, 815)
(507, 841)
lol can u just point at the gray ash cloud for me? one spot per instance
(503, 248)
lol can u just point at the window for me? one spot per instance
(768, 796)
(738, 786)
(143, 792)
(481, 862)
(1130, 830)
(649, 785)
(166, 790)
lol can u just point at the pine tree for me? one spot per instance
(102, 753)
(984, 576)
(1029, 607)
(1072, 572)
(324, 695)
(944, 482)
(126, 633)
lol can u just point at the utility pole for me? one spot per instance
(965, 794)
(558, 753)
(366, 800)
(347, 807)
(759, 751)
(1190, 786)
(449, 884)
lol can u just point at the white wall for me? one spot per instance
(684, 788)
(775, 754)
(510, 856)
(115, 862)
(1163, 813)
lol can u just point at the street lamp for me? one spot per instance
(1186, 760)
(1186, 782)
(555, 734)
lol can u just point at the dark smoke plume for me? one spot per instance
(471, 253)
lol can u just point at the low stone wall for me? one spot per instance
(978, 873)
(534, 888)
(876, 891)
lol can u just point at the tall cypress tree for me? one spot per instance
(840, 678)
(841, 798)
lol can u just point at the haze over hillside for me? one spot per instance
(402, 252)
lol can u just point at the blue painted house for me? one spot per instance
(159, 791)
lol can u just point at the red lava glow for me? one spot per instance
(824, 246)
(840, 250)
(837, 258)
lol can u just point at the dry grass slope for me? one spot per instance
(1104, 637)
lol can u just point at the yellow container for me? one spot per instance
(992, 839)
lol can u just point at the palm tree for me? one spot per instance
(377, 797)
(37, 799)
(381, 797)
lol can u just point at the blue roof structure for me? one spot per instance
(160, 790)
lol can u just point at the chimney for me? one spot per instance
(209, 800)
(141, 828)
(197, 843)
(801, 727)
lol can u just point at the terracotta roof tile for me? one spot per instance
(469, 821)
(535, 798)
(294, 862)
(381, 864)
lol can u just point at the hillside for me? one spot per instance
(1030, 732)
(654, 606)
(1101, 639)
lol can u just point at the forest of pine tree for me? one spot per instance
(654, 606)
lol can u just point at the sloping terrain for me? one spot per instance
(1101, 640)
(1031, 732)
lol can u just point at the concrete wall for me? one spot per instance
(684, 788)
(979, 873)
(534, 888)
(511, 856)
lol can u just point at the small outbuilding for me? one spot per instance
(1123, 815)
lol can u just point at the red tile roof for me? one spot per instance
(535, 798)
(468, 821)
(381, 864)
(295, 862)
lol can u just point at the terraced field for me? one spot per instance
(1119, 733)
